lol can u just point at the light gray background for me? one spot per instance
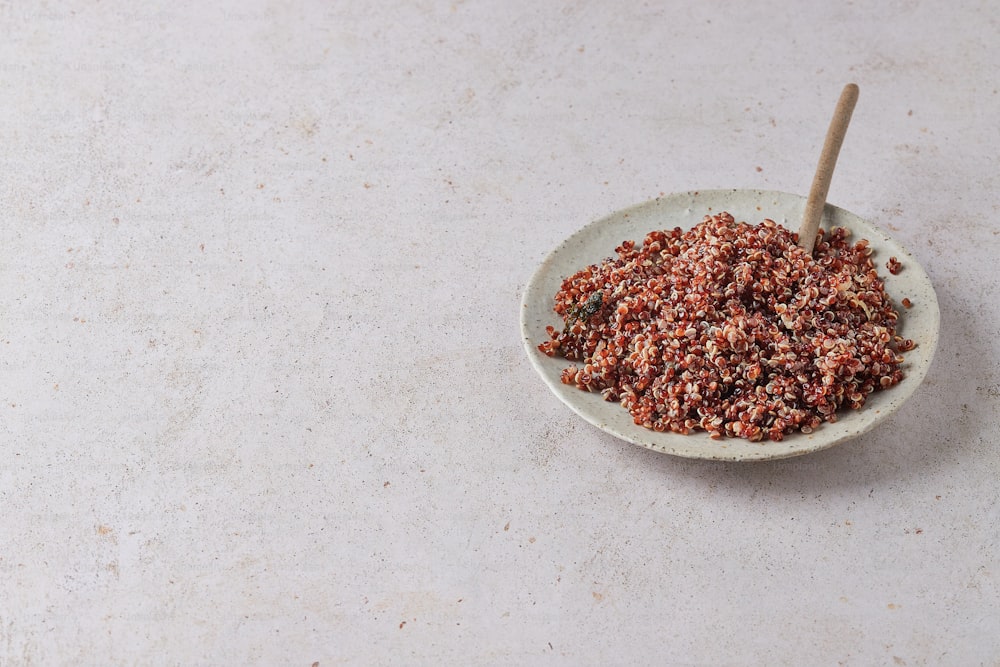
(263, 394)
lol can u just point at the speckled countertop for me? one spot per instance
(263, 394)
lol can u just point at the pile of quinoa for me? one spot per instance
(730, 328)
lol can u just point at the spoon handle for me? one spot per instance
(824, 170)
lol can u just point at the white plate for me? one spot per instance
(597, 241)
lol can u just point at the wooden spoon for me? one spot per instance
(824, 170)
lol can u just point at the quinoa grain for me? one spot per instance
(730, 328)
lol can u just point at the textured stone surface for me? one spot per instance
(263, 394)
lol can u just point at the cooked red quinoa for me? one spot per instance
(731, 328)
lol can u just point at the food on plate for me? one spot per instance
(730, 328)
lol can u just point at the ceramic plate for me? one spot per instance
(597, 241)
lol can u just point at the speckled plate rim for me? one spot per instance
(597, 240)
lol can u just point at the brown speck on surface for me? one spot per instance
(367, 185)
(260, 186)
(597, 596)
(102, 529)
(385, 484)
(907, 303)
(910, 112)
(315, 664)
(506, 526)
(759, 169)
(531, 540)
(401, 624)
(201, 246)
(892, 606)
(919, 531)
(55, 387)
(937, 497)
(115, 221)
